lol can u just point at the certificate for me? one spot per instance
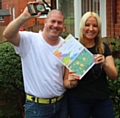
(75, 56)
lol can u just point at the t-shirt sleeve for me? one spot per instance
(25, 44)
(107, 50)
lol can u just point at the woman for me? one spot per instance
(90, 95)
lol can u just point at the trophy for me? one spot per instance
(34, 8)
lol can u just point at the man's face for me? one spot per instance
(54, 25)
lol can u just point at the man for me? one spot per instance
(42, 72)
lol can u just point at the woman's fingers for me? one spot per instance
(73, 75)
(99, 59)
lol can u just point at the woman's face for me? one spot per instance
(90, 30)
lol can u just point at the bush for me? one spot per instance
(12, 94)
(64, 35)
(114, 86)
(11, 83)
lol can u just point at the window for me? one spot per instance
(97, 6)
(90, 5)
(74, 10)
(1, 18)
(67, 7)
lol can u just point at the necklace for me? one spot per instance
(96, 76)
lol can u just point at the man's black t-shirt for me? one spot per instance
(94, 84)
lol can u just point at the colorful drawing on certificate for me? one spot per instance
(75, 56)
(68, 50)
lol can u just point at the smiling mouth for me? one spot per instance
(90, 32)
(55, 30)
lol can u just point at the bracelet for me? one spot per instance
(72, 85)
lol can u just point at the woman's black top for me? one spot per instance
(94, 84)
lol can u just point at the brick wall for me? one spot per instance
(19, 6)
(113, 28)
(6, 21)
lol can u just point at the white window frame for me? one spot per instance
(78, 15)
(103, 17)
(13, 13)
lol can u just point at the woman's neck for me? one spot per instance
(89, 43)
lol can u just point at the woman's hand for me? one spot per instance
(73, 76)
(70, 79)
(100, 59)
(108, 65)
(73, 79)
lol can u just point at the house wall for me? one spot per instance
(113, 18)
(113, 28)
(6, 21)
(19, 6)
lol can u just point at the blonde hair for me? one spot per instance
(98, 41)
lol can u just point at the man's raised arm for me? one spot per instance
(11, 32)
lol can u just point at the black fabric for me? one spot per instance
(90, 87)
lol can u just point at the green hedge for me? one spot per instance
(12, 90)
(11, 83)
(114, 86)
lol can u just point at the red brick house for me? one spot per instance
(15, 8)
(113, 17)
(109, 11)
(4, 16)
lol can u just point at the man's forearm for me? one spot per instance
(11, 33)
(13, 28)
